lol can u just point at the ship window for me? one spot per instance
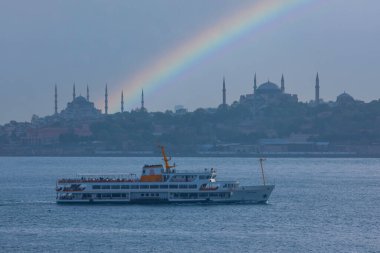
(105, 187)
(164, 186)
(193, 195)
(203, 195)
(154, 187)
(173, 186)
(183, 195)
(86, 196)
(202, 177)
(99, 196)
(193, 186)
(152, 194)
(183, 186)
(125, 187)
(142, 194)
(95, 187)
(157, 194)
(115, 187)
(116, 195)
(213, 194)
(106, 195)
(123, 195)
(134, 186)
(144, 186)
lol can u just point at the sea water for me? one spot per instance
(318, 205)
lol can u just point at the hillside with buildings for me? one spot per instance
(268, 121)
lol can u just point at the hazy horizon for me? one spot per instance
(62, 42)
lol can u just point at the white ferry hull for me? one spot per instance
(244, 194)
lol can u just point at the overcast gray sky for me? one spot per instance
(94, 42)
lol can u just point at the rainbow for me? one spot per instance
(161, 70)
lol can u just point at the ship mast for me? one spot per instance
(262, 169)
(166, 159)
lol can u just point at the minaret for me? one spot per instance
(254, 84)
(282, 84)
(106, 101)
(55, 100)
(224, 91)
(74, 92)
(88, 94)
(122, 102)
(317, 89)
(142, 100)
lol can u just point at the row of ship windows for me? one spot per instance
(199, 195)
(112, 195)
(172, 195)
(174, 186)
(97, 196)
(126, 195)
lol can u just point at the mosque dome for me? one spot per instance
(80, 108)
(80, 99)
(268, 88)
(345, 98)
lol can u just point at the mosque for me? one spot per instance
(345, 99)
(80, 108)
(270, 93)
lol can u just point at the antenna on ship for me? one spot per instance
(166, 159)
(261, 159)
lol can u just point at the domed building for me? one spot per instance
(268, 93)
(80, 108)
(345, 99)
(268, 88)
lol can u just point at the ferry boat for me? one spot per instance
(159, 184)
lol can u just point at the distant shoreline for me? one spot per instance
(214, 155)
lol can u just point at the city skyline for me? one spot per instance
(64, 44)
(223, 101)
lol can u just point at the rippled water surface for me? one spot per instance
(318, 205)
